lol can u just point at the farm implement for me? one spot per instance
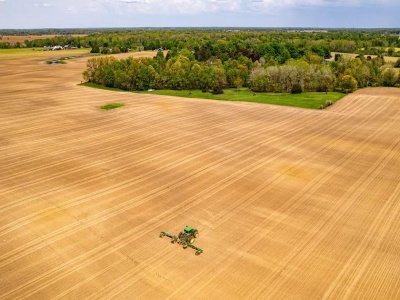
(185, 238)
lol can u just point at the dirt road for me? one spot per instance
(290, 203)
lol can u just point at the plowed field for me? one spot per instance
(290, 203)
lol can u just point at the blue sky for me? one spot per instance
(198, 13)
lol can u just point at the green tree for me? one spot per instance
(261, 83)
(160, 59)
(187, 53)
(219, 80)
(389, 77)
(122, 80)
(176, 76)
(238, 82)
(348, 84)
(398, 79)
(206, 78)
(195, 76)
(154, 78)
(296, 89)
(283, 56)
(107, 76)
(313, 58)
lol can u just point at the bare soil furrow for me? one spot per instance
(178, 181)
(235, 206)
(144, 176)
(290, 203)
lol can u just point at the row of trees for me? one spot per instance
(178, 73)
(280, 44)
(294, 74)
(180, 70)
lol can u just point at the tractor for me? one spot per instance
(185, 238)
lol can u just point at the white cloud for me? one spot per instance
(263, 13)
(71, 8)
(175, 6)
(193, 7)
(319, 3)
(41, 4)
(135, 1)
(188, 7)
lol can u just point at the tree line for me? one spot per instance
(187, 70)
(210, 42)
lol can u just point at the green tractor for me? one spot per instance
(185, 238)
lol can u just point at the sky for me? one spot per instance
(27, 14)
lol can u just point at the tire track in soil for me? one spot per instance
(356, 265)
(90, 196)
(316, 231)
(115, 157)
(292, 204)
(2, 208)
(305, 244)
(121, 284)
(127, 234)
(143, 176)
(40, 214)
(218, 217)
(310, 245)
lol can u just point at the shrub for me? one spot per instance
(217, 90)
(348, 84)
(326, 104)
(397, 63)
(296, 89)
(337, 56)
(261, 83)
(389, 77)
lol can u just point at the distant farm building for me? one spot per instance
(57, 48)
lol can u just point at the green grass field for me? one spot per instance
(111, 106)
(311, 100)
(305, 100)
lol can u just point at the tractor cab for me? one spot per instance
(188, 229)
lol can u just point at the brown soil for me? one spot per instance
(290, 203)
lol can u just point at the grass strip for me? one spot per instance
(312, 100)
(111, 106)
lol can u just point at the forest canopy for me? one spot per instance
(190, 70)
(264, 60)
(260, 41)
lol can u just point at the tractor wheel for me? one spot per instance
(196, 234)
(185, 246)
(191, 240)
